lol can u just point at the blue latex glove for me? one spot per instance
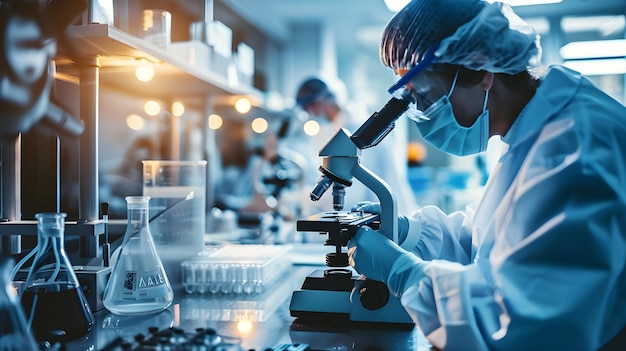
(374, 207)
(372, 254)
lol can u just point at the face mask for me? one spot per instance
(440, 128)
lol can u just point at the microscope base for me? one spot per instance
(333, 296)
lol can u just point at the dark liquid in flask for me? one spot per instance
(65, 310)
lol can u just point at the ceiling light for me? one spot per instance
(598, 67)
(259, 125)
(594, 49)
(152, 108)
(311, 128)
(215, 121)
(144, 70)
(396, 5)
(135, 122)
(243, 105)
(527, 2)
(178, 108)
(604, 25)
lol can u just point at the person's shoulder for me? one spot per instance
(581, 98)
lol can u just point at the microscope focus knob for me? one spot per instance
(334, 259)
(374, 294)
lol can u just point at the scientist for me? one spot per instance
(538, 263)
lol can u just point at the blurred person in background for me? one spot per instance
(538, 262)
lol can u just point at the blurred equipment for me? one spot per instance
(278, 175)
(14, 332)
(30, 31)
(340, 291)
(279, 178)
(177, 339)
(52, 289)
(138, 283)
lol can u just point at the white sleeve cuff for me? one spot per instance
(414, 233)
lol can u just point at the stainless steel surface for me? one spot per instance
(10, 190)
(210, 152)
(72, 228)
(89, 205)
(257, 321)
(93, 280)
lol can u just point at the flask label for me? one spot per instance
(135, 281)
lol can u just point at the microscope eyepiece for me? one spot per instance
(379, 124)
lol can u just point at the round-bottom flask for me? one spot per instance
(138, 283)
(53, 299)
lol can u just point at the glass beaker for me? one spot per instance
(177, 191)
(14, 333)
(156, 27)
(53, 299)
(138, 283)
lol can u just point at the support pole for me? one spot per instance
(11, 191)
(88, 178)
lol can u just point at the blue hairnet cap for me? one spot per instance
(471, 33)
(310, 90)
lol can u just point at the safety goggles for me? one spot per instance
(408, 75)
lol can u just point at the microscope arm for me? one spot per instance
(388, 208)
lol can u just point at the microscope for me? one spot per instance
(339, 291)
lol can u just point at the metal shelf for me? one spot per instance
(174, 78)
(72, 228)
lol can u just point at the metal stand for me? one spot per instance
(11, 187)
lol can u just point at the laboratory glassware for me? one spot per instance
(53, 299)
(235, 269)
(14, 333)
(138, 283)
(156, 27)
(177, 191)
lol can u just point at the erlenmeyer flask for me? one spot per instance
(138, 283)
(53, 299)
(14, 333)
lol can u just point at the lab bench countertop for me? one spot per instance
(255, 321)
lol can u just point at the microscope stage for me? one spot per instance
(337, 220)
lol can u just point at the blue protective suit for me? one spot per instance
(539, 263)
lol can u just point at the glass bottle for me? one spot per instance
(138, 283)
(53, 299)
(14, 333)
